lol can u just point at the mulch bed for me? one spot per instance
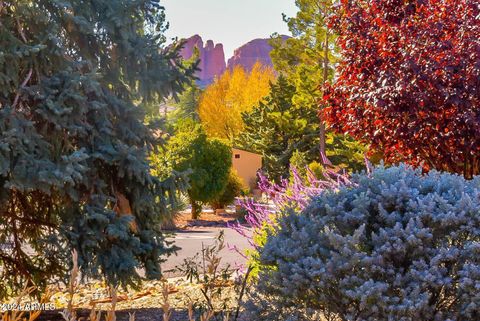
(207, 219)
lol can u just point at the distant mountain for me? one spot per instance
(212, 57)
(251, 52)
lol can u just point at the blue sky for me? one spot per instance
(231, 22)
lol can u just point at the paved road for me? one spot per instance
(191, 242)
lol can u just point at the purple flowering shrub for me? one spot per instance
(393, 244)
(294, 194)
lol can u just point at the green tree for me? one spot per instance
(187, 105)
(178, 107)
(208, 160)
(73, 145)
(277, 128)
(307, 60)
(233, 188)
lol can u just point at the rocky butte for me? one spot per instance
(212, 57)
(251, 52)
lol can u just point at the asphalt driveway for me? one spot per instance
(191, 241)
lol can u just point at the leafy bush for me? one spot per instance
(316, 169)
(208, 161)
(296, 193)
(303, 168)
(232, 189)
(393, 245)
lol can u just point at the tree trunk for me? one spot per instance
(323, 153)
(122, 208)
(196, 210)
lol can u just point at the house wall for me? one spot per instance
(246, 164)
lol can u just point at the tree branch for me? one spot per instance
(24, 83)
(29, 75)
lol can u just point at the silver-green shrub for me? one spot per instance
(395, 245)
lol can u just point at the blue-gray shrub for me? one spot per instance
(395, 245)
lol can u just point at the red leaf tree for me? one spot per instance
(409, 80)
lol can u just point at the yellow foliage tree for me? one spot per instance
(236, 91)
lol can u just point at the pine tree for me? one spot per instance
(277, 128)
(187, 105)
(73, 145)
(307, 60)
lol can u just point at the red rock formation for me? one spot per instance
(248, 54)
(212, 58)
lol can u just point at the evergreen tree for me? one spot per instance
(187, 105)
(73, 145)
(278, 127)
(307, 60)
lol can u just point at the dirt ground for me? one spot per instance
(144, 314)
(145, 303)
(207, 219)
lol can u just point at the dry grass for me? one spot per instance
(18, 315)
(69, 314)
(207, 291)
(210, 281)
(167, 311)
